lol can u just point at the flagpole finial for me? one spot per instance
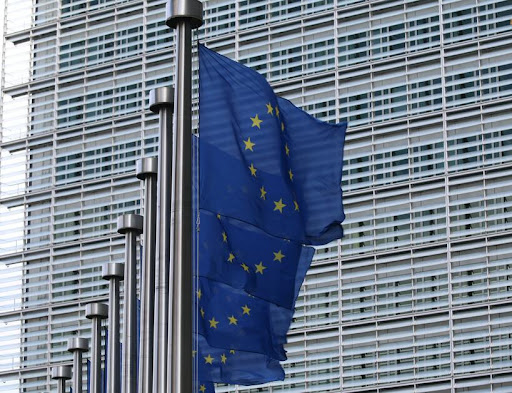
(160, 97)
(191, 10)
(112, 270)
(78, 344)
(146, 166)
(96, 310)
(61, 372)
(129, 222)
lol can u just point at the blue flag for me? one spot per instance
(232, 366)
(269, 184)
(231, 318)
(245, 257)
(263, 160)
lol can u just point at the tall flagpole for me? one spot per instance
(114, 273)
(161, 102)
(96, 312)
(130, 225)
(77, 346)
(147, 169)
(182, 15)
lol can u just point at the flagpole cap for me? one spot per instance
(146, 166)
(161, 97)
(112, 270)
(61, 372)
(188, 10)
(78, 344)
(96, 310)
(130, 222)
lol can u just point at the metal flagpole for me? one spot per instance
(96, 312)
(114, 272)
(182, 15)
(131, 226)
(147, 169)
(61, 374)
(161, 101)
(76, 346)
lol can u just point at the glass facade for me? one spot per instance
(415, 298)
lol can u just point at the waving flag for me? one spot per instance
(269, 185)
(265, 161)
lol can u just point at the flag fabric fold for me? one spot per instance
(267, 184)
(244, 257)
(231, 318)
(265, 161)
(234, 366)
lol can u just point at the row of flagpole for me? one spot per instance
(165, 356)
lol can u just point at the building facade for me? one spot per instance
(415, 298)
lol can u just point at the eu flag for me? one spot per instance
(224, 364)
(269, 186)
(263, 160)
(245, 257)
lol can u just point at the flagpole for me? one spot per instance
(96, 312)
(147, 169)
(131, 226)
(77, 345)
(182, 15)
(161, 101)
(114, 273)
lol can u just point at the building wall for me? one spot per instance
(415, 298)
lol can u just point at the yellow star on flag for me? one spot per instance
(208, 359)
(232, 351)
(232, 320)
(256, 122)
(282, 126)
(296, 205)
(279, 205)
(224, 237)
(277, 111)
(223, 358)
(291, 174)
(218, 216)
(249, 145)
(245, 267)
(246, 310)
(202, 312)
(270, 109)
(253, 170)
(286, 149)
(278, 256)
(260, 268)
(263, 193)
(202, 388)
(199, 294)
(231, 257)
(213, 323)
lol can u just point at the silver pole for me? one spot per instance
(114, 272)
(161, 101)
(147, 169)
(96, 312)
(76, 346)
(183, 15)
(131, 225)
(61, 374)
